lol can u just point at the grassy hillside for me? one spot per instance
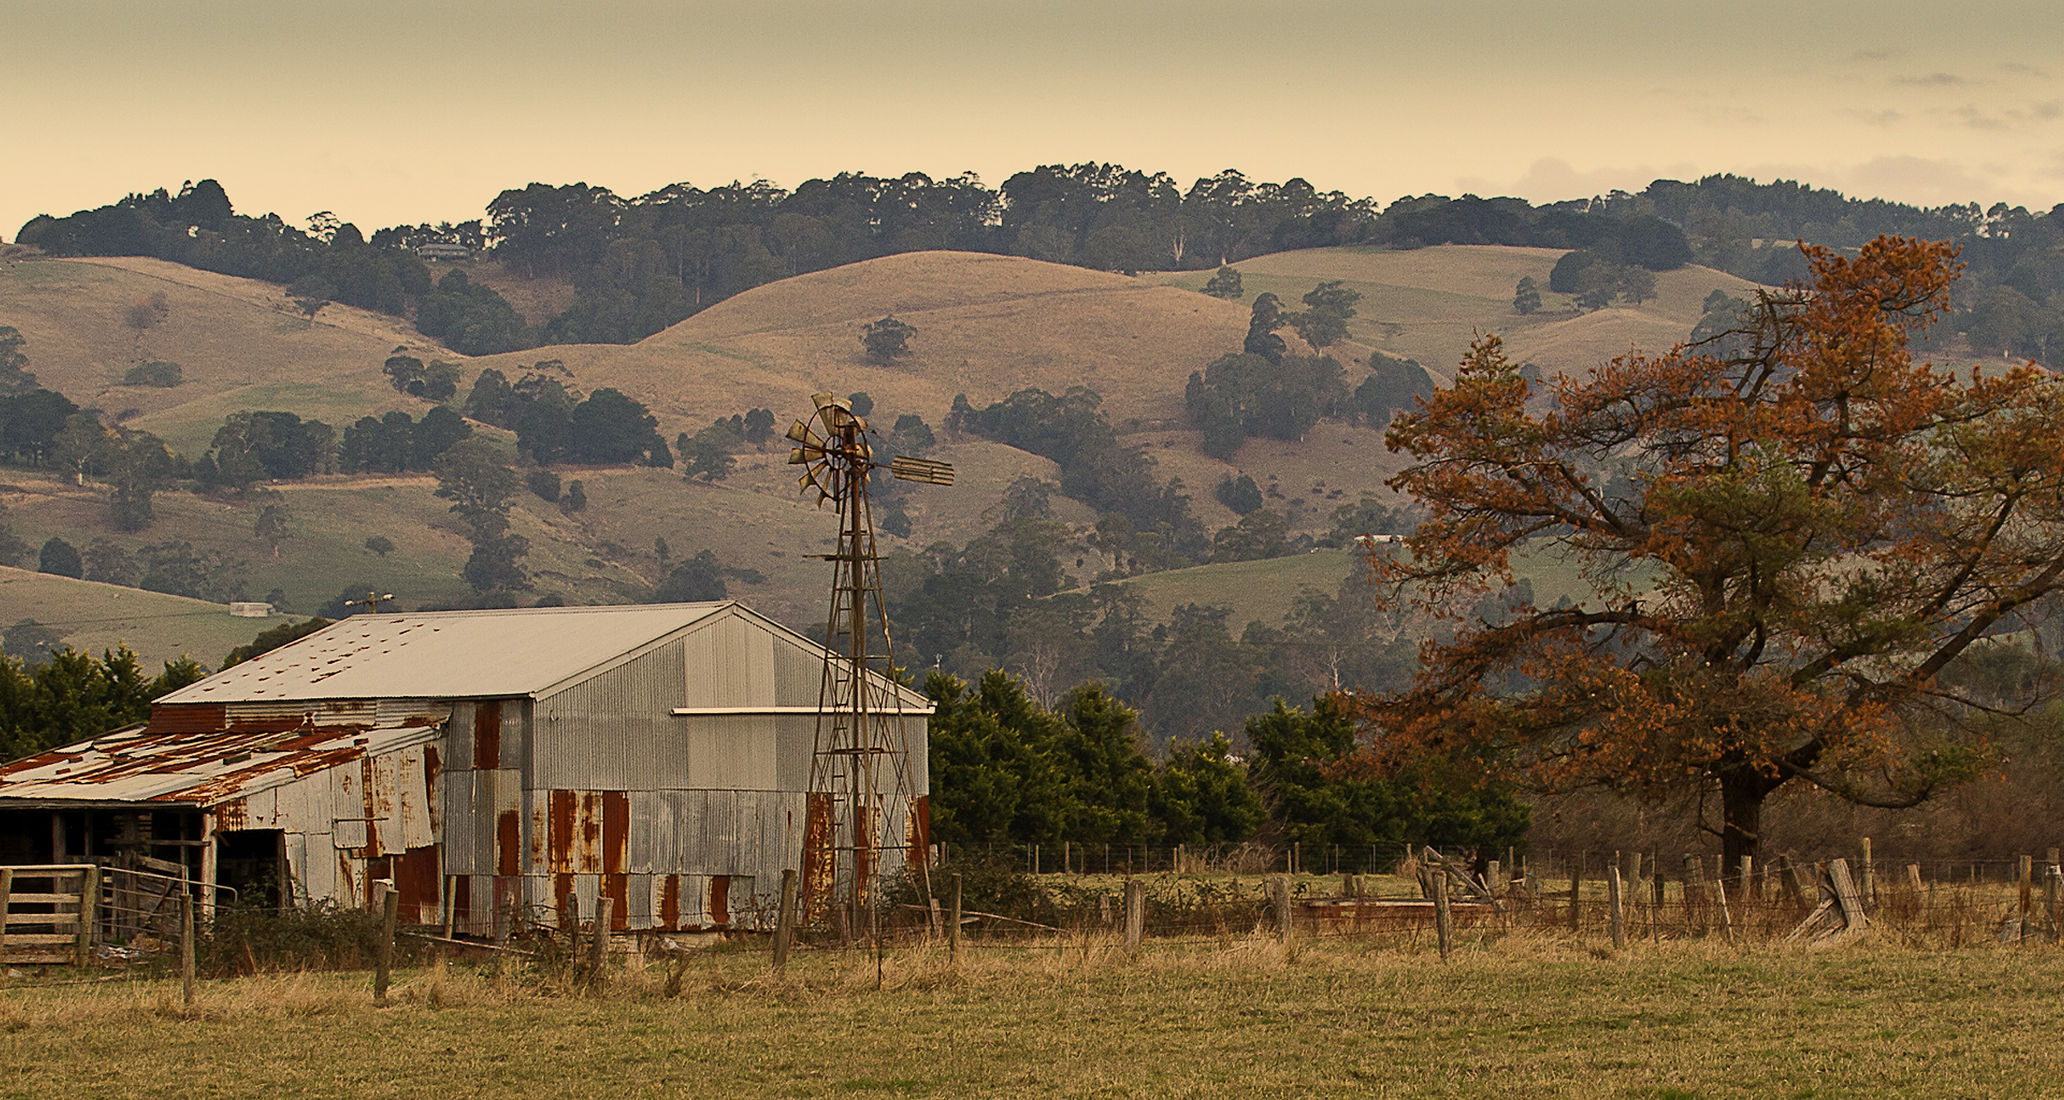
(97, 617)
(238, 341)
(986, 325)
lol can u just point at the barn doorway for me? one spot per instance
(253, 862)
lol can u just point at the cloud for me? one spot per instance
(1552, 179)
(1886, 117)
(1921, 180)
(1931, 80)
(1977, 119)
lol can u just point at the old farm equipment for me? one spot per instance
(861, 798)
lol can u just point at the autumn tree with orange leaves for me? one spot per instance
(1791, 533)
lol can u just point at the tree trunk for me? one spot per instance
(1741, 820)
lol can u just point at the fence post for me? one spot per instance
(1279, 887)
(89, 914)
(1655, 898)
(1695, 894)
(1913, 881)
(2024, 872)
(1576, 890)
(6, 891)
(784, 921)
(1726, 918)
(451, 905)
(1135, 913)
(1619, 915)
(383, 950)
(2053, 890)
(598, 944)
(1443, 916)
(1746, 890)
(186, 947)
(1867, 880)
(952, 923)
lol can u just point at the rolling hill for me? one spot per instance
(986, 325)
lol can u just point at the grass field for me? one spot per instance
(96, 617)
(1536, 1016)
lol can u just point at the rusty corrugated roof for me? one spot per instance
(203, 769)
(445, 654)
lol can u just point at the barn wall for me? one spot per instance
(338, 821)
(486, 746)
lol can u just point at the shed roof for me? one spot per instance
(203, 769)
(446, 654)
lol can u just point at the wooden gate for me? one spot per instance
(49, 913)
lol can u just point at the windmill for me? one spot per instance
(860, 773)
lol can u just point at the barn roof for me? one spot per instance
(446, 654)
(206, 769)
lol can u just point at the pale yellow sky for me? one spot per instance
(389, 112)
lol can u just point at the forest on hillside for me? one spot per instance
(641, 263)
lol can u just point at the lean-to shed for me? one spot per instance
(489, 761)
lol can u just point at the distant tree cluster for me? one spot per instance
(398, 442)
(1596, 280)
(1392, 384)
(256, 446)
(173, 567)
(555, 424)
(1117, 480)
(435, 381)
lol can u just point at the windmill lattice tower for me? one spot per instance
(860, 779)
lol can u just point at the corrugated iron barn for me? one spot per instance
(485, 761)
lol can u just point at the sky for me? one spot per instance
(403, 111)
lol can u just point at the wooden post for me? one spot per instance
(2053, 890)
(186, 947)
(1867, 880)
(1805, 895)
(451, 905)
(784, 921)
(2025, 874)
(953, 919)
(1576, 891)
(89, 914)
(6, 890)
(383, 950)
(1280, 885)
(1035, 859)
(1746, 884)
(1296, 856)
(1491, 876)
(1619, 915)
(1655, 895)
(1443, 917)
(1135, 913)
(598, 943)
(1846, 896)
(1726, 918)
(1913, 881)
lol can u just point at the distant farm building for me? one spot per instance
(492, 762)
(437, 250)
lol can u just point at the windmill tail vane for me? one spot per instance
(863, 803)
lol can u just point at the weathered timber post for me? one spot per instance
(1867, 880)
(1576, 891)
(2053, 898)
(89, 914)
(1846, 896)
(1135, 913)
(1279, 885)
(1443, 917)
(1695, 895)
(186, 947)
(1913, 882)
(784, 920)
(383, 950)
(1805, 893)
(1619, 915)
(1493, 872)
(2024, 873)
(6, 893)
(451, 905)
(1720, 896)
(1746, 890)
(598, 944)
(569, 920)
(953, 921)
(1656, 888)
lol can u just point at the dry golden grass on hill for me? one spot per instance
(987, 325)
